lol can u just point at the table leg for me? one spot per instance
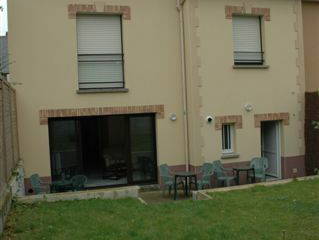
(186, 187)
(175, 188)
(237, 177)
(196, 187)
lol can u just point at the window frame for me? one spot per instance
(231, 138)
(123, 82)
(262, 61)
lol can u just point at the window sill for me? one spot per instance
(229, 155)
(111, 90)
(250, 66)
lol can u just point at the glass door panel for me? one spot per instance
(64, 148)
(143, 150)
(114, 150)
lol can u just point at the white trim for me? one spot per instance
(278, 135)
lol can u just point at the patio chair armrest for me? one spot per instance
(228, 169)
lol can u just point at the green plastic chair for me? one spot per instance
(260, 164)
(221, 173)
(78, 182)
(36, 184)
(167, 179)
(207, 171)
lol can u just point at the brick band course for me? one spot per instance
(99, 111)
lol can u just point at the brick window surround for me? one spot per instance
(241, 10)
(235, 119)
(99, 111)
(271, 117)
(73, 9)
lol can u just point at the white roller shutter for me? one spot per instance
(247, 41)
(99, 34)
(99, 51)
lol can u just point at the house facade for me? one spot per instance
(114, 88)
(311, 37)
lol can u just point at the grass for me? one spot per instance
(257, 213)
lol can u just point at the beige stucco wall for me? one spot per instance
(43, 51)
(311, 44)
(220, 90)
(42, 46)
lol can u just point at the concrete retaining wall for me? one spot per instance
(198, 195)
(111, 193)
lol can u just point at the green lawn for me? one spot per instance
(257, 213)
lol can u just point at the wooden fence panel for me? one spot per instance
(9, 149)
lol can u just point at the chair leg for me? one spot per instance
(183, 187)
(163, 192)
(227, 182)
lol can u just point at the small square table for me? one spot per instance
(247, 170)
(188, 176)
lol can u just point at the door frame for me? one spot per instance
(278, 125)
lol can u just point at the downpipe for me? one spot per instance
(179, 6)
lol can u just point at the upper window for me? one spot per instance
(247, 40)
(100, 55)
(228, 132)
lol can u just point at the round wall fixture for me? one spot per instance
(173, 117)
(248, 107)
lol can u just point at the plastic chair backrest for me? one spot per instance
(260, 164)
(36, 183)
(165, 173)
(218, 169)
(207, 171)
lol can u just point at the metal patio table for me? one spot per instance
(247, 170)
(188, 177)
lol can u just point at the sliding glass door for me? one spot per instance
(108, 150)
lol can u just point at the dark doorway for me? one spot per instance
(108, 150)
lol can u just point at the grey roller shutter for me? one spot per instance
(247, 40)
(99, 51)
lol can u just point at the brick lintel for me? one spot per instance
(73, 9)
(235, 119)
(271, 117)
